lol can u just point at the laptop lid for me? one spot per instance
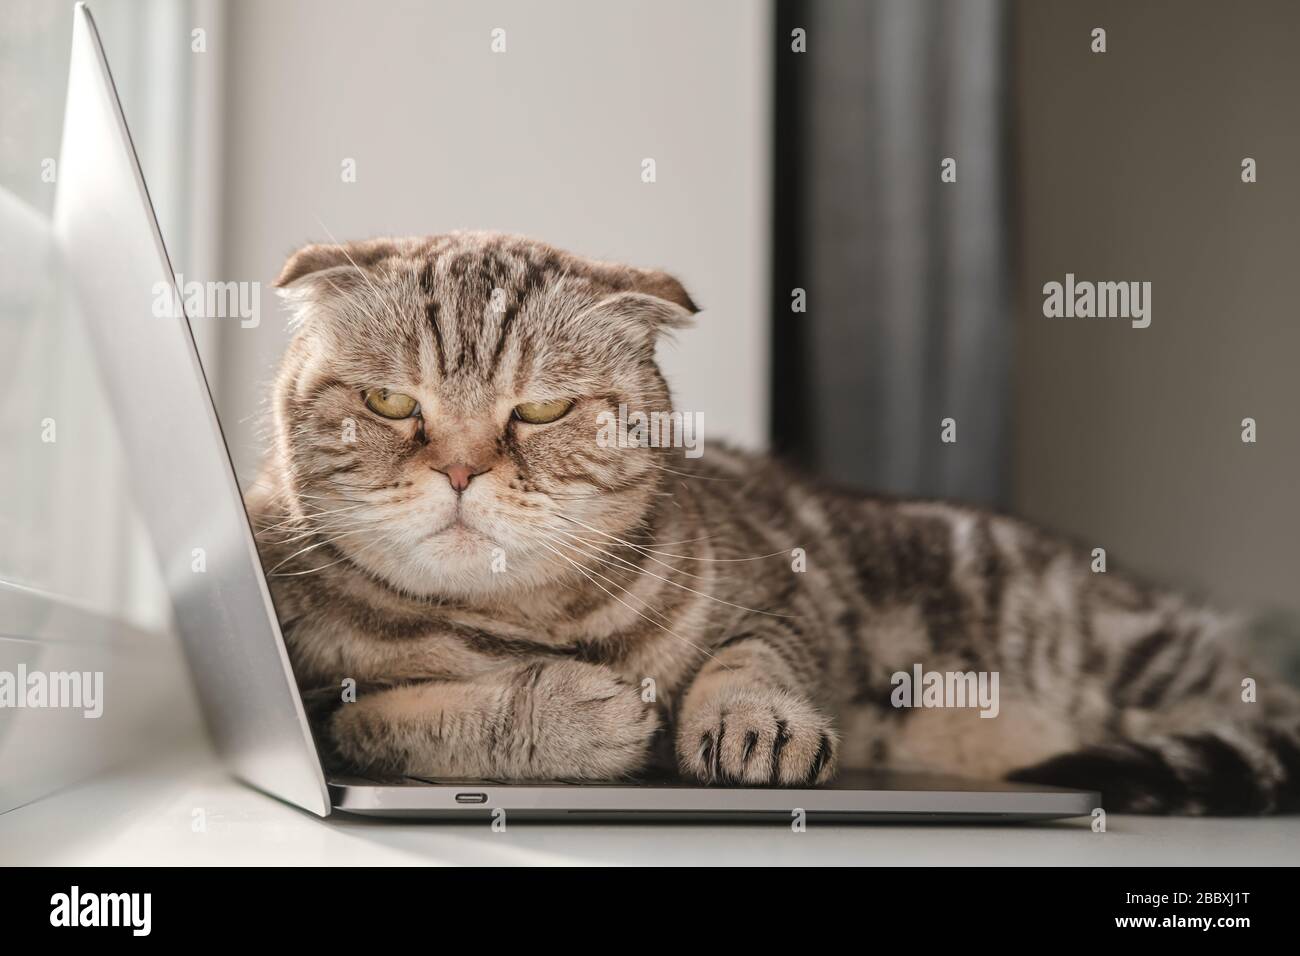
(180, 470)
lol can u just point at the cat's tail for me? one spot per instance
(1227, 772)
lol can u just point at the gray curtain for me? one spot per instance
(908, 317)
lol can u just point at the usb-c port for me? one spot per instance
(471, 798)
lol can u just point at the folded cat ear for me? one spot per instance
(313, 259)
(320, 279)
(643, 313)
(648, 301)
(653, 282)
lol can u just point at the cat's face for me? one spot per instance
(436, 416)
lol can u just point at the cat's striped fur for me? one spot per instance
(580, 611)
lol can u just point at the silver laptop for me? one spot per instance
(185, 485)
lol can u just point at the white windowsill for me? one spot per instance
(143, 814)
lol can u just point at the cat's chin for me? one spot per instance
(457, 573)
(459, 561)
(457, 533)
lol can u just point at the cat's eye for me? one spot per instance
(390, 404)
(542, 413)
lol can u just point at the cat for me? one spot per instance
(472, 584)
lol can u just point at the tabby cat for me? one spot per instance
(508, 596)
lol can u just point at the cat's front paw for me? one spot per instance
(584, 723)
(755, 735)
(554, 720)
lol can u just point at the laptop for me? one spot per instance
(185, 485)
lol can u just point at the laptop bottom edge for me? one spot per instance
(486, 801)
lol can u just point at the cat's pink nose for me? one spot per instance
(459, 474)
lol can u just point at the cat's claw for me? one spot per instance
(758, 737)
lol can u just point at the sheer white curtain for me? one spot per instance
(70, 539)
(66, 520)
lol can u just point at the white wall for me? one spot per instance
(545, 139)
(1131, 170)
